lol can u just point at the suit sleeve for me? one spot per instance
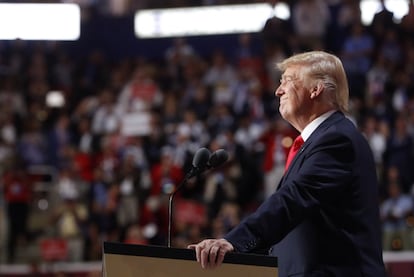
(318, 180)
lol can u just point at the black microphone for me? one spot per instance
(200, 162)
(218, 158)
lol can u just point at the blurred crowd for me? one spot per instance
(91, 149)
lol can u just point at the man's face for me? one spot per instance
(294, 96)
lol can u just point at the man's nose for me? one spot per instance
(279, 91)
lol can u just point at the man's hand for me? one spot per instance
(210, 252)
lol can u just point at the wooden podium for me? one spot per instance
(130, 260)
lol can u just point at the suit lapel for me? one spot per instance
(321, 128)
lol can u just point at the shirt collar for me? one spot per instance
(311, 127)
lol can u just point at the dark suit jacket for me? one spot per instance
(323, 220)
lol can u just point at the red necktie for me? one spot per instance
(297, 143)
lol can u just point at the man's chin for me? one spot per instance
(282, 113)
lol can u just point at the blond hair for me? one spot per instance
(326, 68)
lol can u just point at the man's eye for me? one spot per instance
(286, 79)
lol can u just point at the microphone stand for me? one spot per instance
(203, 159)
(190, 174)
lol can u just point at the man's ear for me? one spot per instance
(316, 90)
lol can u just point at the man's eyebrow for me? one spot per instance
(288, 76)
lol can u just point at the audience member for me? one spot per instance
(31, 145)
(407, 21)
(221, 76)
(69, 220)
(106, 119)
(17, 194)
(133, 190)
(399, 153)
(395, 210)
(382, 21)
(277, 140)
(141, 93)
(59, 137)
(371, 129)
(310, 21)
(344, 14)
(166, 174)
(356, 55)
(178, 57)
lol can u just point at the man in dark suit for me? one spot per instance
(323, 220)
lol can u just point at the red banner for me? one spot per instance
(192, 212)
(54, 249)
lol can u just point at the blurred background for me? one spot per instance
(103, 106)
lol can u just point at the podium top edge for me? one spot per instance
(184, 254)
